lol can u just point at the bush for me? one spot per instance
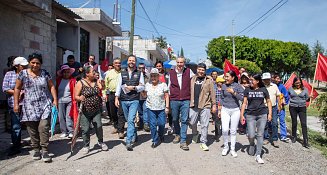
(321, 103)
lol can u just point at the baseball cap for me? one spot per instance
(154, 71)
(20, 61)
(266, 75)
(220, 80)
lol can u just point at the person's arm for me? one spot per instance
(213, 97)
(106, 85)
(53, 91)
(286, 95)
(279, 102)
(245, 102)
(118, 90)
(78, 89)
(18, 88)
(166, 99)
(269, 109)
(140, 87)
(5, 85)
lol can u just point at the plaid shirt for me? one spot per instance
(218, 95)
(9, 83)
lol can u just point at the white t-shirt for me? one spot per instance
(156, 96)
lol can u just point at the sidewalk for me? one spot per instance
(314, 124)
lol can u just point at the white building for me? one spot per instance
(144, 48)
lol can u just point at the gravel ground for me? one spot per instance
(167, 158)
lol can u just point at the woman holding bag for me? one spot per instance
(37, 104)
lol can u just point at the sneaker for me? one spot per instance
(103, 146)
(46, 157)
(177, 139)
(170, 130)
(275, 144)
(86, 150)
(36, 155)
(129, 147)
(259, 160)
(224, 152)
(233, 153)
(284, 139)
(70, 135)
(251, 150)
(154, 145)
(121, 135)
(146, 128)
(184, 147)
(195, 138)
(204, 147)
(63, 135)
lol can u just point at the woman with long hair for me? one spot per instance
(257, 111)
(66, 102)
(232, 93)
(299, 95)
(36, 106)
(87, 91)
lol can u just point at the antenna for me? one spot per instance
(115, 13)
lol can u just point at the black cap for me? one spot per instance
(202, 65)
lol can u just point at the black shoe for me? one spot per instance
(36, 155)
(154, 145)
(146, 128)
(293, 139)
(134, 141)
(162, 139)
(129, 147)
(46, 157)
(306, 144)
(13, 151)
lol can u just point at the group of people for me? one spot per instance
(248, 104)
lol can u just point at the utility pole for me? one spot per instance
(131, 37)
(233, 37)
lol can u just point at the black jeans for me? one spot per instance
(121, 119)
(302, 113)
(112, 109)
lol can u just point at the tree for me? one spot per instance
(269, 55)
(161, 41)
(249, 66)
(182, 52)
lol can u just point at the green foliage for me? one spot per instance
(321, 103)
(161, 42)
(269, 55)
(250, 67)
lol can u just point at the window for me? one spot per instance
(102, 50)
(84, 45)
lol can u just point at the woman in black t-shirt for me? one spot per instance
(257, 111)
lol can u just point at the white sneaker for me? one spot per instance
(63, 135)
(70, 135)
(233, 153)
(86, 150)
(224, 152)
(259, 160)
(170, 130)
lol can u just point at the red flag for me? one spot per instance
(289, 83)
(229, 66)
(104, 65)
(321, 68)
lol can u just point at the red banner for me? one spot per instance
(321, 68)
(229, 66)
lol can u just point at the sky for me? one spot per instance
(191, 24)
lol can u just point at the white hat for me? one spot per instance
(20, 61)
(266, 75)
(154, 71)
(245, 74)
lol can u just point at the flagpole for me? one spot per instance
(314, 78)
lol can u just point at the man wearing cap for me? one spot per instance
(129, 86)
(179, 83)
(274, 94)
(8, 86)
(203, 102)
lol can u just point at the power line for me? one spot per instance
(157, 11)
(266, 17)
(260, 17)
(149, 18)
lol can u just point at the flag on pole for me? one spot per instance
(229, 66)
(311, 91)
(321, 68)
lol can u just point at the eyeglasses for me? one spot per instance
(141, 68)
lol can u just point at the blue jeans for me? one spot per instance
(157, 120)
(130, 109)
(273, 124)
(143, 114)
(180, 111)
(283, 130)
(16, 130)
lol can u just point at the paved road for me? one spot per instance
(168, 158)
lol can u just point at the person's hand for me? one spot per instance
(81, 98)
(219, 114)
(117, 102)
(230, 90)
(269, 117)
(130, 88)
(55, 103)
(242, 119)
(213, 109)
(167, 111)
(16, 108)
(80, 69)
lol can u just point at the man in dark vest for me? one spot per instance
(180, 93)
(129, 86)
